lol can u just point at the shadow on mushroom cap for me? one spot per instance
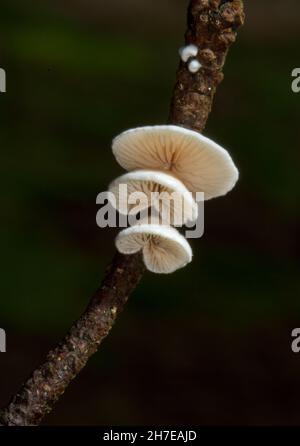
(200, 163)
(165, 250)
(142, 189)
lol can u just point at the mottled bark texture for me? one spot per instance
(62, 364)
(212, 26)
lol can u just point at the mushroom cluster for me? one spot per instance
(188, 55)
(167, 160)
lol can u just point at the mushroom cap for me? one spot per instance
(194, 66)
(201, 164)
(188, 51)
(171, 198)
(164, 249)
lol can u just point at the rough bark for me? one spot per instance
(212, 26)
(49, 381)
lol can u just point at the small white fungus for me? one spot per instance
(194, 66)
(188, 51)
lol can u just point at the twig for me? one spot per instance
(212, 26)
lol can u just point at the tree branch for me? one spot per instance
(212, 26)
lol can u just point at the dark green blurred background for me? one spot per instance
(211, 343)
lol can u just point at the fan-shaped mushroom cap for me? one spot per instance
(201, 164)
(163, 191)
(164, 249)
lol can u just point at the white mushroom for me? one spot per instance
(162, 191)
(164, 249)
(201, 164)
(194, 66)
(188, 51)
